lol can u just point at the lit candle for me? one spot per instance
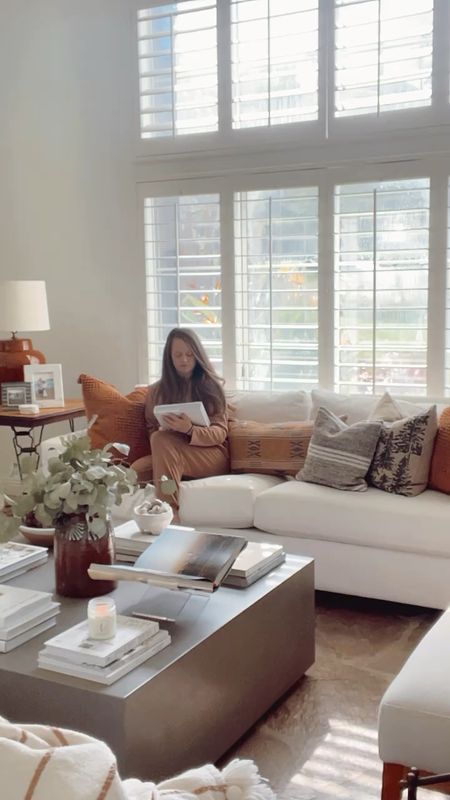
(102, 618)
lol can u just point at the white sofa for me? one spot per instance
(370, 544)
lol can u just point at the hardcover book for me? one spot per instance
(29, 621)
(14, 572)
(254, 557)
(256, 560)
(17, 603)
(15, 554)
(193, 560)
(75, 646)
(112, 672)
(16, 641)
(130, 540)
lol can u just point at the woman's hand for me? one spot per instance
(177, 422)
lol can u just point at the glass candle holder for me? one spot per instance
(102, 618)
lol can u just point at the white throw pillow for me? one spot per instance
(355, 407)
(270, 406)
(389, 410)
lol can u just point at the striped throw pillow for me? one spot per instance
(339, 455)
(277, 448)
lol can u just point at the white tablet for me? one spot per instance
(196, 412)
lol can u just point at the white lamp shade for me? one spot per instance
(23, 306)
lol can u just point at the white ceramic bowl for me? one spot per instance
(153, 523)
(43, 537)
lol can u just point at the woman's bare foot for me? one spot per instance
(176, 518)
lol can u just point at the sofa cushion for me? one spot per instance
(277, 448)
(339, 455)
(355, 407)
(226, 501)
(120, 418)
(402, 458)
(440, 460)
(373, 519)
(269, 406)
(388, 409)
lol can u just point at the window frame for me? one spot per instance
(327, 131)
(437, 168)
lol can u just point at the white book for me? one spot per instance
(196, 412)
(242, 582)
(129, 539)
(30, 621)
(15, 554)
(112, 672)
(17, 603)
(255, 555)
(14, 573)
(76, 647)
(16, 641)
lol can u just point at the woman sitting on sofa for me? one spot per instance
(184, 450)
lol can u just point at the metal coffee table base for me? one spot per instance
(233, 654)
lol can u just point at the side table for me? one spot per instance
(31, 426)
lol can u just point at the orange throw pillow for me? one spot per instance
(276, 448)
(440, 462)
(120, 418)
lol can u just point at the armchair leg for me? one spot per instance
(392, 775)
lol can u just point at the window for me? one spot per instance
(339, 281)
(381, 286)
(274, 61)
(276, 269)
(178, 68)
(183, 272)
(383, 55)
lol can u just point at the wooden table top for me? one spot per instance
(71, 408)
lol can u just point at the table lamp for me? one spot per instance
(23, 307)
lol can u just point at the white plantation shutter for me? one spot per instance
(383, 55)
(381, 286)
(183, 273)
(178, 68)
(276, 288)
(274, 53)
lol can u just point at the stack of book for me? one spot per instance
(16, 558)
(256, 560)
(73, 652)
(24, 613)
(174, 550)
(179, 559)
(130, 541)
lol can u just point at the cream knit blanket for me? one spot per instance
(38, 762)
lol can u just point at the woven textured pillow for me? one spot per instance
(440, 460)
(401, 463)
(277, 448)
(339, 455)
(120, 418)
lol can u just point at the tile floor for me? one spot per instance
(320, 741)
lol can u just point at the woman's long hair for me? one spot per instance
(204, 384)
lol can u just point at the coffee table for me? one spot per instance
(233, 654)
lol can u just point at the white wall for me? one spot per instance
(67, 187)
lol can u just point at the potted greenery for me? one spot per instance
(75, 498)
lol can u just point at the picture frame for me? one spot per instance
(16, 393)
(46, 384)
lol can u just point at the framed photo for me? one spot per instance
(15, 394)
(46, 384)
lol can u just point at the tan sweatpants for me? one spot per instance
(173, 456)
